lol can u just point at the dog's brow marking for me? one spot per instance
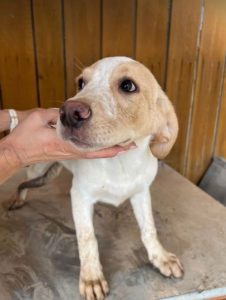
(100, 81)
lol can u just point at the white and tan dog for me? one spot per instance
(119, 102)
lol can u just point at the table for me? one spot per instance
(39, 256)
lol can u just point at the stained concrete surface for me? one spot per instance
(39, 255)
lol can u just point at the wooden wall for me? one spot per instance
(45, 43)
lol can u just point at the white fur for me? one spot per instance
(113, 180)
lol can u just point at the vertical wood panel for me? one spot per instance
(1, 133)
(49, 51)
(220, 149)
(151, 42)
(185, 23)
(118, 27)
(17, 72)
(210, 68)
(82, 37)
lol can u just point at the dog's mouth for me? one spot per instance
(79, 143)
(93, 147)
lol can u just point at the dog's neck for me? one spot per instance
(142, 147)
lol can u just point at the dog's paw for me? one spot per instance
(168, 264)
(94, 289)
(14, 203)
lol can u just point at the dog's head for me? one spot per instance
(118, 102)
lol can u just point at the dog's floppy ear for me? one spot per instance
(166, 128)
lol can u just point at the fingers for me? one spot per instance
(45, 116)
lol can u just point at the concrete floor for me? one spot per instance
(39, 256)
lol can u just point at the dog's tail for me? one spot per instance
(52, 172)
(19, 200)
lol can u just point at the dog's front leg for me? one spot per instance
(92, 284)
(167, 263)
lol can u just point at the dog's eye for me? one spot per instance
(81, 84)
(128, 86)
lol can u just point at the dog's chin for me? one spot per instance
(88, 147)
(85, 146)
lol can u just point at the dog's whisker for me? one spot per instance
(59, 102)
(80, 62)
(78, 67)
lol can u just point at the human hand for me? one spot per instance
(35, 141)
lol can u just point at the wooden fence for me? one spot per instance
(44, 43)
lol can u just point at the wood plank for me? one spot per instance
(180, 71)
(82, 37)
(118, 28)
(49, 51)
(151, 35)
(17, 72)
(220, 147)
(1, 133)
(209, 78)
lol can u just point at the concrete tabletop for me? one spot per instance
(39, 256)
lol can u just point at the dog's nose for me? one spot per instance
(74, 113)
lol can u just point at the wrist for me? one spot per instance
(5, 120)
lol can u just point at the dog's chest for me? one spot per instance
(116, 179)
(117, 182)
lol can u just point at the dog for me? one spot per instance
(118, 102)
